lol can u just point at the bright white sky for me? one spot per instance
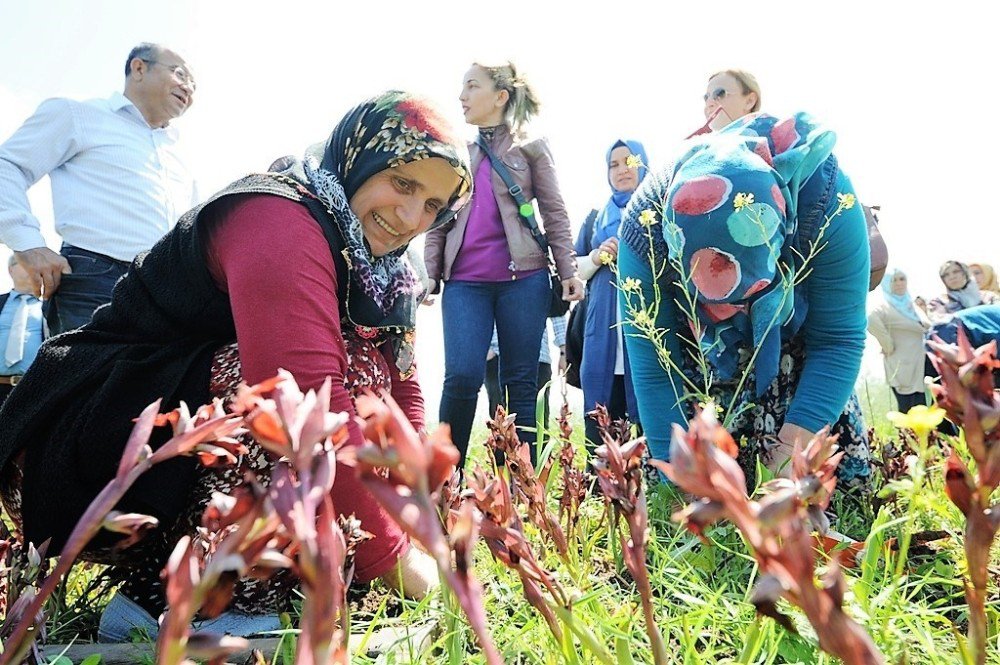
(904, 86)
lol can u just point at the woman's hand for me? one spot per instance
(609, 248)
(415, 574)
(431, 287)
(572, 289)
(788, 436)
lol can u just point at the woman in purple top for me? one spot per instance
(494, 268)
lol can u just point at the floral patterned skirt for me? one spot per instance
(758, 419)
(137, 569)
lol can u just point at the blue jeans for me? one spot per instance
(469, 311)
(83, 290)
(123, 618)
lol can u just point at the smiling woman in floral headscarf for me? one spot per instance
(302, 270)
(760, 253)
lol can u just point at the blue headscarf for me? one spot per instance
(610, 217)
(902, 304)
(731, 224)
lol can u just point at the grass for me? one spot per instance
(701, 592)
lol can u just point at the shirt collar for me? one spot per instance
(119, 102)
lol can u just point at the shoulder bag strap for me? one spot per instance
(526, 211)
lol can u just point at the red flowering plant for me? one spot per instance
(619, 469)
(527, 485)
(200, 576)
(259, 530)
(968, 395)
(21, 566)
(503, 532)
(303, 434)
(206, 433)
(777, 529)
(575, 482)
(405, 473)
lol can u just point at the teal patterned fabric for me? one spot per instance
(730, 226)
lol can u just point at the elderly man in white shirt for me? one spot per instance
(118, 183)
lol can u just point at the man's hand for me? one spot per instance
(415, 574)
(572, 289)
(563, 365)
(45, 268)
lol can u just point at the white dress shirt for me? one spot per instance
(117, 184)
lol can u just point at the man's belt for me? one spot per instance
(10, 380)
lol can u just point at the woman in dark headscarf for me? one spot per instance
(962, 292)
(301, 270)
(744, 273)
(604, 371)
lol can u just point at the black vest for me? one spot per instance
(72, 413)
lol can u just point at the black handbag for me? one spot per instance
(526, 213)
(577, 324)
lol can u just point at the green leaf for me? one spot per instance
(92, 659)
(622, 651)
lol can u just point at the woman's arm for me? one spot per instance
(658, 392)
(835, 324)
(880, 331)
(406, 392)
(434, 254)
(270, 256)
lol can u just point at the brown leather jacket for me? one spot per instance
(532, 167)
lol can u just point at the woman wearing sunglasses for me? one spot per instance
(730, 94)
(775, 338)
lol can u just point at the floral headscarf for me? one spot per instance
(391, 129)
(901, 303)
(609, 219)
(731, 225)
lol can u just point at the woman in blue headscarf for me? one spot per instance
(898, 327)
(604, 371)
(744, 272)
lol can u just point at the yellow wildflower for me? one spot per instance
(711, 406)
(846, 200)
(742, 200)
(633, 161)
(647, 218)
(921, 419)
(641, 319)
(631, 284)
(605, 258)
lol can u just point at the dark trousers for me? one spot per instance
(85, 289)
(908, 401)
(495, 392)
(617, 407)
(469, 310)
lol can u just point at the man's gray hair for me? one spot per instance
(147, 51)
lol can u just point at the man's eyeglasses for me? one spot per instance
(180, 74)
(718, 94)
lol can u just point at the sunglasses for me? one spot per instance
(717, 94)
